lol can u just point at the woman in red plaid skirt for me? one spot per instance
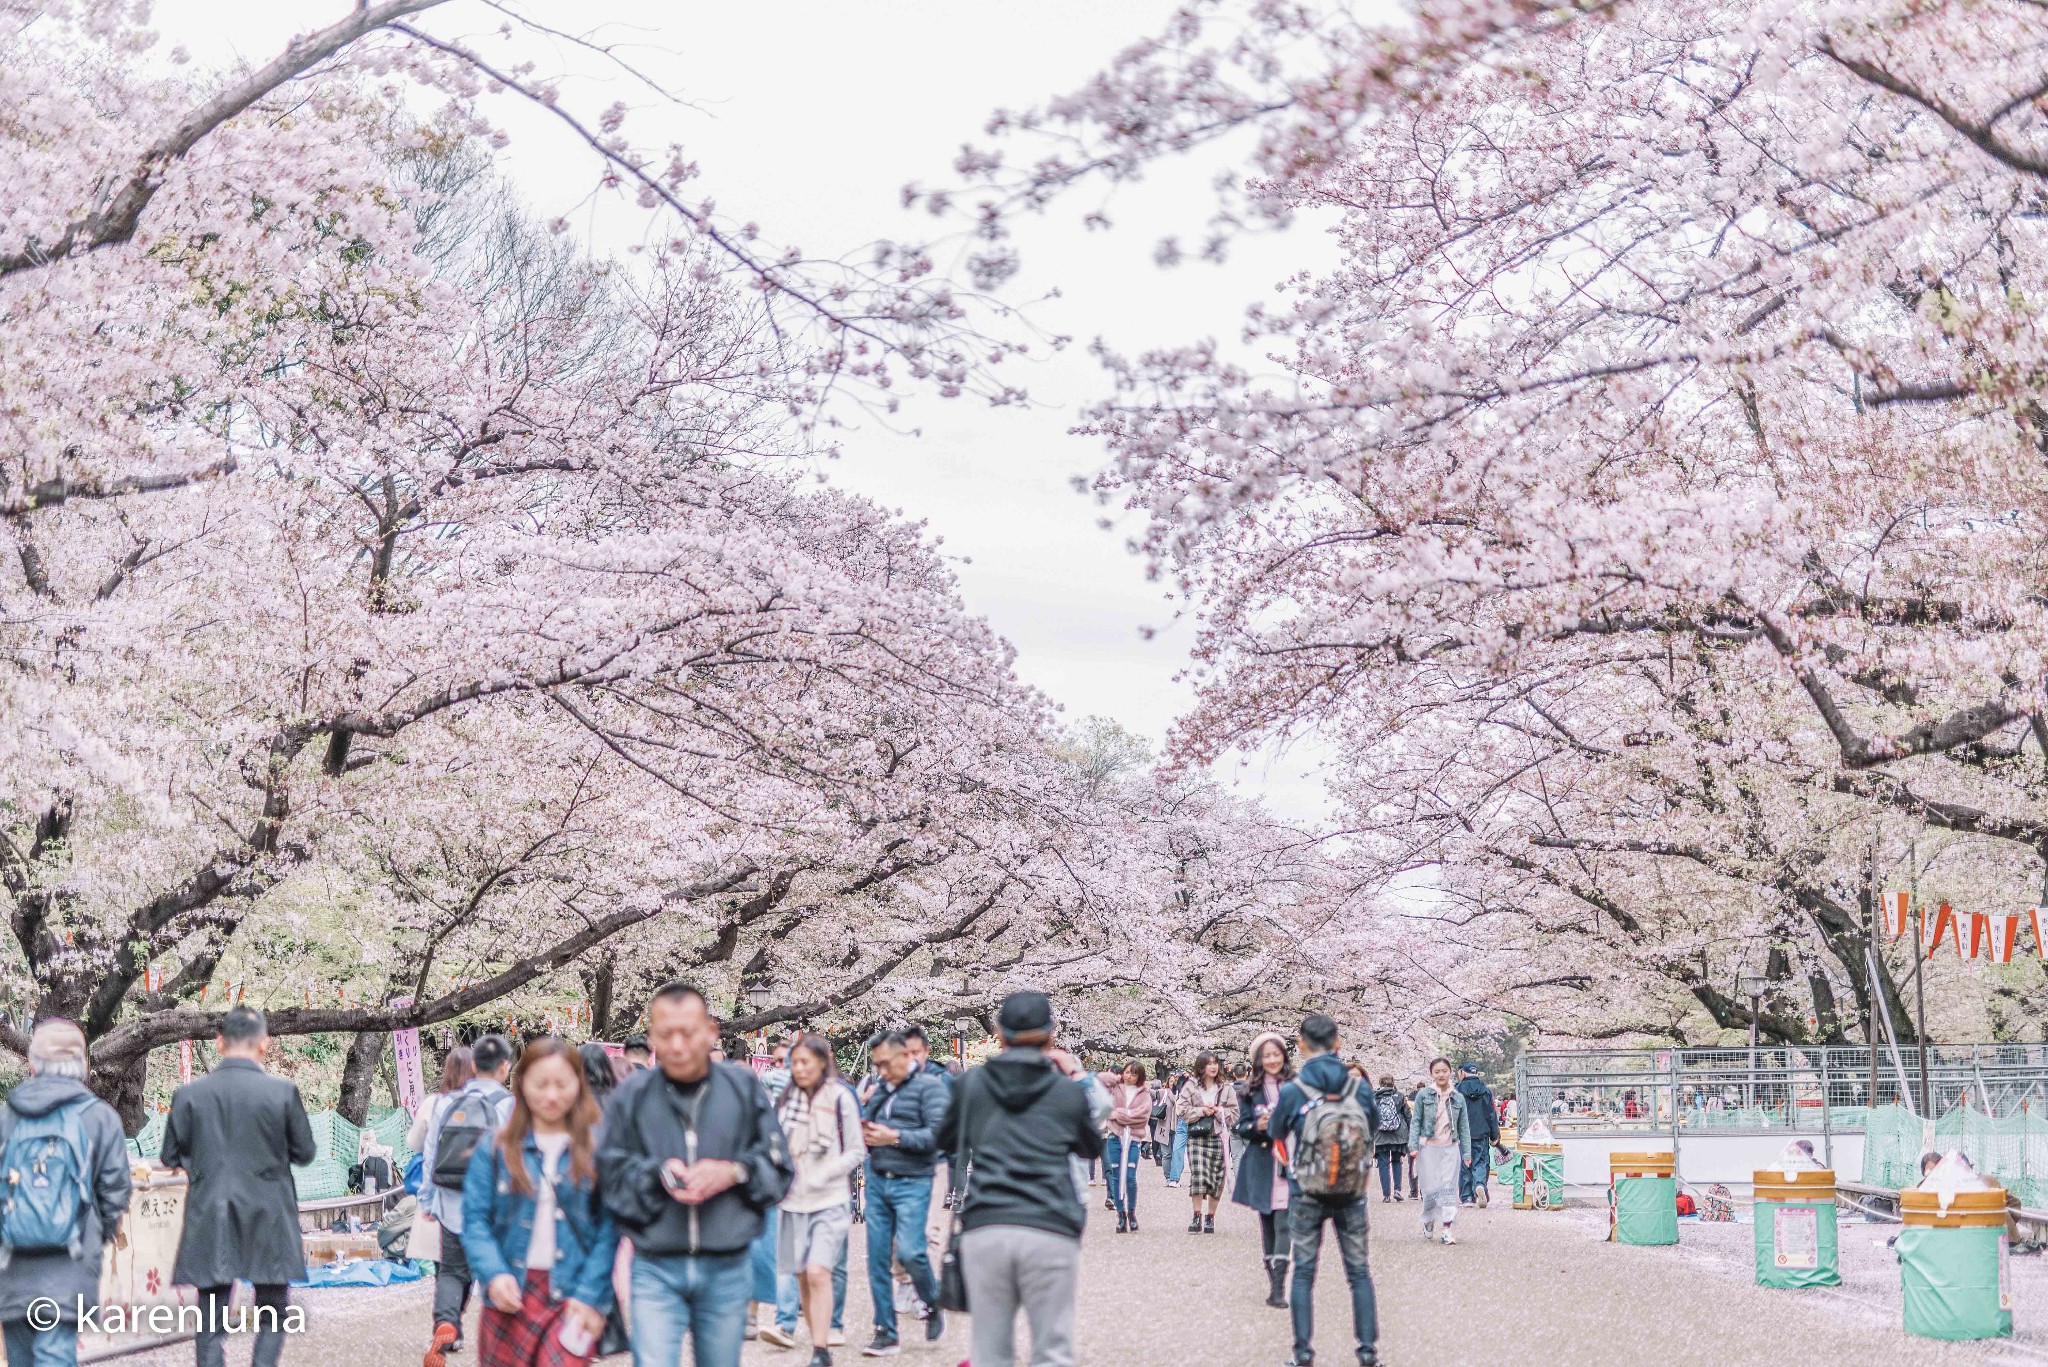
(537, 1235)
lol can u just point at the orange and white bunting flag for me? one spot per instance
(2034, 919)
(1945, 924)
(1898, 916)
(2005, 934)
(1980, 933)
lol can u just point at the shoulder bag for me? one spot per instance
(952, 1276)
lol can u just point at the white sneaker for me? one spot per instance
(778, 1337)
(1449, 1237)
(1479, 1198)
(835, 1338)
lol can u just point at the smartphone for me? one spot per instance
(576, 1340)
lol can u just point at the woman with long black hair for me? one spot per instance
(1208, 1111)
(1261, 1175)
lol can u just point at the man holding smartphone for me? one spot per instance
(692, 1157)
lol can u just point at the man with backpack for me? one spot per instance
(464, 1121)
(1329, 1138)
(56, 1222)
(1484, 1121)
(1389, 1136)
(236, 1133)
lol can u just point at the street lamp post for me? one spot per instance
(1753, 987)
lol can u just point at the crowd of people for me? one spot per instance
(665, 1196)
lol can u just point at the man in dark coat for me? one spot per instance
(1479, 1109)
(236, 1132)
(56, 1065)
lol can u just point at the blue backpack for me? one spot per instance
(46, 1165)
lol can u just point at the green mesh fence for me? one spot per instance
(2012, 1148)
(336, 1144)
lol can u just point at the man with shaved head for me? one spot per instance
(54, 1127)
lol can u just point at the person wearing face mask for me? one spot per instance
(538, 1237)
(1441, 1140)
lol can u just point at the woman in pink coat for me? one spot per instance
(1130, 1122)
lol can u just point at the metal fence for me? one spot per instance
(1771, 1089)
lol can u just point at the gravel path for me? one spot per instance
(1520, 1287)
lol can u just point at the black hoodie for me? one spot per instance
(1015, 1122)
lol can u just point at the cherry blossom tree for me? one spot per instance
(1648, 502)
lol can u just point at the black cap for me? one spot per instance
(1023, 1013)
(1468, 1066)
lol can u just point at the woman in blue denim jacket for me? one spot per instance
(537, 1235)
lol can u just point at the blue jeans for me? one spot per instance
(1472, 1176)
(789, 1302)
(897, 1210)
(1177, 1156)
(1120, 1166)
(53, 1347)
(1305, 1218)
(761, 1259)
(1386, 1156)
(702, 1297)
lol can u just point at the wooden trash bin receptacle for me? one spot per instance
(1642, 1198)
(1796, 1236)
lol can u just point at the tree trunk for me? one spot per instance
(121, 1086)
(598, 983)
(360, 1073)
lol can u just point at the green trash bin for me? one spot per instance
(1642, 1201)
(1953, 1265)
(1796, 1243)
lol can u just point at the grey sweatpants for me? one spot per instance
(1012, 1267)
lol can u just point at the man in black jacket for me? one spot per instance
(1016, 1126)
(1485, 1134)
(236, 1132)
(692, 1157)
(900, 1119)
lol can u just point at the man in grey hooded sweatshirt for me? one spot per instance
(56, 1282)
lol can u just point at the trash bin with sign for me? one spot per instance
(1642, 1198)
(1795, 1228)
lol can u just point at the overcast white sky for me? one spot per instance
(808, 116)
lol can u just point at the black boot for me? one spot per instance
(1123, 1224)
(1195, 1224)
(1208, 1224)
(1276, 1273)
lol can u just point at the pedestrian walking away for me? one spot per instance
(1023, 1123)
(821, 1120)
(534, 1228)
(1440, 1137)
(236, 1134)
(1414, 1095)
(1208, 1109)
(52, 1232)
(899, 1122)
(1130, 1120)
(688, 1159)
(464, 1120)
(1484, 1122)
(1390, 1136)
(1323, 1120)
(1177, 1141)
(1261, 1172)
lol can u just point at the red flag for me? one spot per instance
(1945, 923)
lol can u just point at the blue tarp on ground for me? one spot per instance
(371, 1272)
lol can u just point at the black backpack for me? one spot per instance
(1388, 1105)
(470, 1121)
